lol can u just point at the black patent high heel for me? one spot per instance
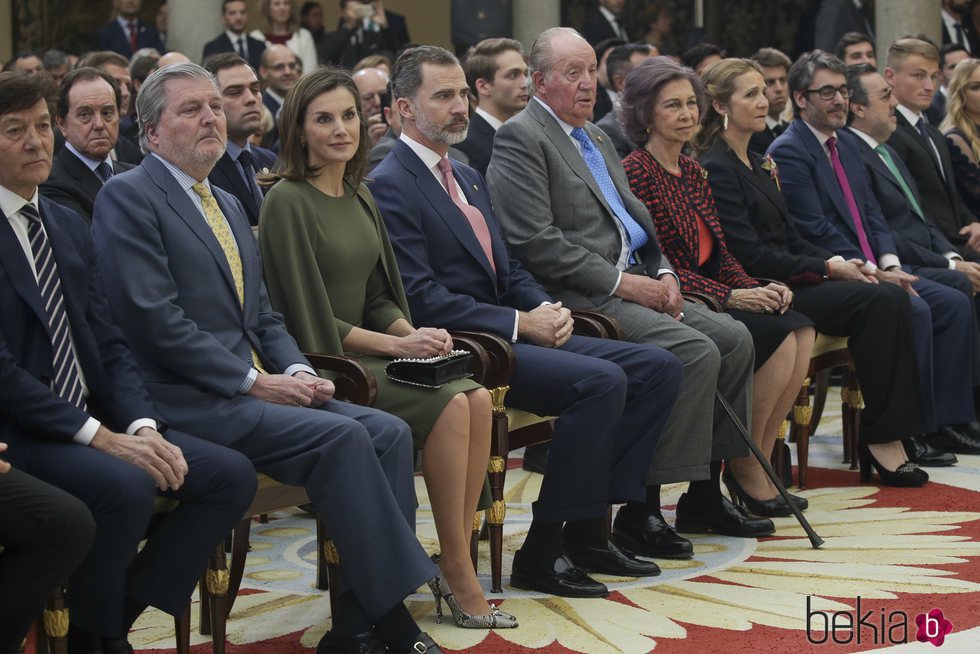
(908, 475)
(771, 508)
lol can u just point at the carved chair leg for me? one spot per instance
(182, 629)
(53, 637)
(218, 579)
(821, 382)
(204, 608)
(239, 550)
(852, 425)
(332, 558)
(778, 456)
(801, 425)
(475, 541)
(322, 573)
(497, 469)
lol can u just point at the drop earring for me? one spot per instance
(724, 122)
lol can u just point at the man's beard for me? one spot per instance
(442, 133)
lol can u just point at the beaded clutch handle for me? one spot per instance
(433, 372)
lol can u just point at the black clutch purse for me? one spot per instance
(430, 373)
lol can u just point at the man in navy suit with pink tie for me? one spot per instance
(611, 398)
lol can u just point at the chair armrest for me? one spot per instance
(603, 325)
(355, 383)
(493, 358)
(702, 298)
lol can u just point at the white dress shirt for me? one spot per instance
(492, 120)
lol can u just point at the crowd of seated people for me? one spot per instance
(176, 236)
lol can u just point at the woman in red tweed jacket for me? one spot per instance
(660, 108)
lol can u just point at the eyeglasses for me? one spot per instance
(828, 92)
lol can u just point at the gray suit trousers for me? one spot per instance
(716, 352)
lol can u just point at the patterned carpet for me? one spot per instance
(894, 553)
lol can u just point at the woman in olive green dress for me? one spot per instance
(331, 271)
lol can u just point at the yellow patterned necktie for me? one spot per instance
(218, 225)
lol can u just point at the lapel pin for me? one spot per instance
(476, 188)
(599, 138)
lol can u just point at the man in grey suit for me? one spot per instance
(183, 276)
(555, 199)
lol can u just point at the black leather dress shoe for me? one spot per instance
(952, 439)
(536, 458)
(553, 575)
(722, 517)
(423, 645)
(610, 560)
(922, 452)
(364, 643)
(641, 531)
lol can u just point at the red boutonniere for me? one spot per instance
(769, 165)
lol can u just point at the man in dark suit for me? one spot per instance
(234, 14)
(184, 277)
(605, 22)
(949, 55)
(116, 65)
(76, 412)
(954, 29)
(279, 70)
(604, 93)
(127, 33)
(497, 75)
(912, 67)
(241, 97)
(620, 62)
(45, 533)
(775, 65)
(363, 29)
(592, 244)
(611, 398)
(88, 117)
(838, 17)
(918, 241)
(835, 207)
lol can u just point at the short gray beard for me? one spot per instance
(439, 133)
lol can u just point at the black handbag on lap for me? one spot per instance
(434, 372)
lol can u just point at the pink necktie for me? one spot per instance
(473, 215)
(845, 188)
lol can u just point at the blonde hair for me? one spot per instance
(719, 84)
(956, 106)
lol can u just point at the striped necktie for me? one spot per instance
(222, 232)
(65, 379)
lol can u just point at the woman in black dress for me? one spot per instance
(835, 294)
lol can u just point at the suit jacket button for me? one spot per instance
(45, 380)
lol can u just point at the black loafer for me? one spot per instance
(952, 439)
(536, 458)
(364, 643)
(610, 560)
(722, 518)
(423, 645)
(922, 452)
(641, 531)
(555, 576)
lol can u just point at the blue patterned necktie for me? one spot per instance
(104, 171)
(65, 380)
(635, 234)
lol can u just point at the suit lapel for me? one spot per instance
(14, 262)
(825, 173)
(226, 172)
(436, 195)
(568, 150)
(86, 179)
(188, 213)
(916, 137)
(767, 188)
